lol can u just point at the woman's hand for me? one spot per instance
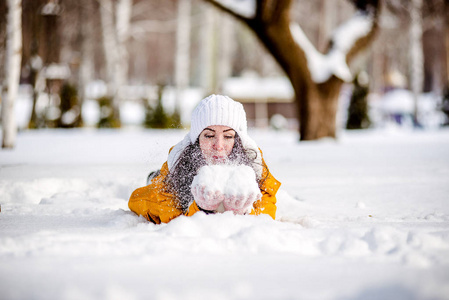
(240, 204)
(208, 200)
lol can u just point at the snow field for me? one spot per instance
(365, 217)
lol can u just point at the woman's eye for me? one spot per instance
(229, 137)
(208, 136)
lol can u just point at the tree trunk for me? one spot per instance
(446, 33)
(113, 50)
(316, 105)
(226, 35)
(316, 119)
(416, 54)
(33, 23)
(36, 67)
(12, 72)
(316, 96)
(123, 18)
(207, 52)
(182, 59)
(87, 41)
(320, 110)
(51, 40)
(3, 12)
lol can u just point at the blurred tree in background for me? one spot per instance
(445, 105)
(107, 117)
(134, 43)
(358, 117)
(316, 77)
(157, 117)
(70, 107)
(3, 12)
(11, 66)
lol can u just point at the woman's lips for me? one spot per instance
(218, 158)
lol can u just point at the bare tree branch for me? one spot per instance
(364, 41)
(359, 34)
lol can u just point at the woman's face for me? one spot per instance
(216, 143)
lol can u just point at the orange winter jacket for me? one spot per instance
(157, 205)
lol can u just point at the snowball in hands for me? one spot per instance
(234, 187)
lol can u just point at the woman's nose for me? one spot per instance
(219, 143)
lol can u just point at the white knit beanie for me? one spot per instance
(217, 110)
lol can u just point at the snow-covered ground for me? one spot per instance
(363, 217)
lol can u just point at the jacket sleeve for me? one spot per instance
(153, 202)
(269, 188)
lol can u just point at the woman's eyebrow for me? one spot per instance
(209, 129)
(228, 130)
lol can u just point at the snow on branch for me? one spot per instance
(244, 8)
(347, 34)
(323, 66)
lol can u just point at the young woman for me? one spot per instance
(218, 135)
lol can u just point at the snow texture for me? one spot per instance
(345, 36)
(363, 217)
(400, 101)
(323, 66)
(245, 8)
(228, 180)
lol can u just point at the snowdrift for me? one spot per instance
(363, 217)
